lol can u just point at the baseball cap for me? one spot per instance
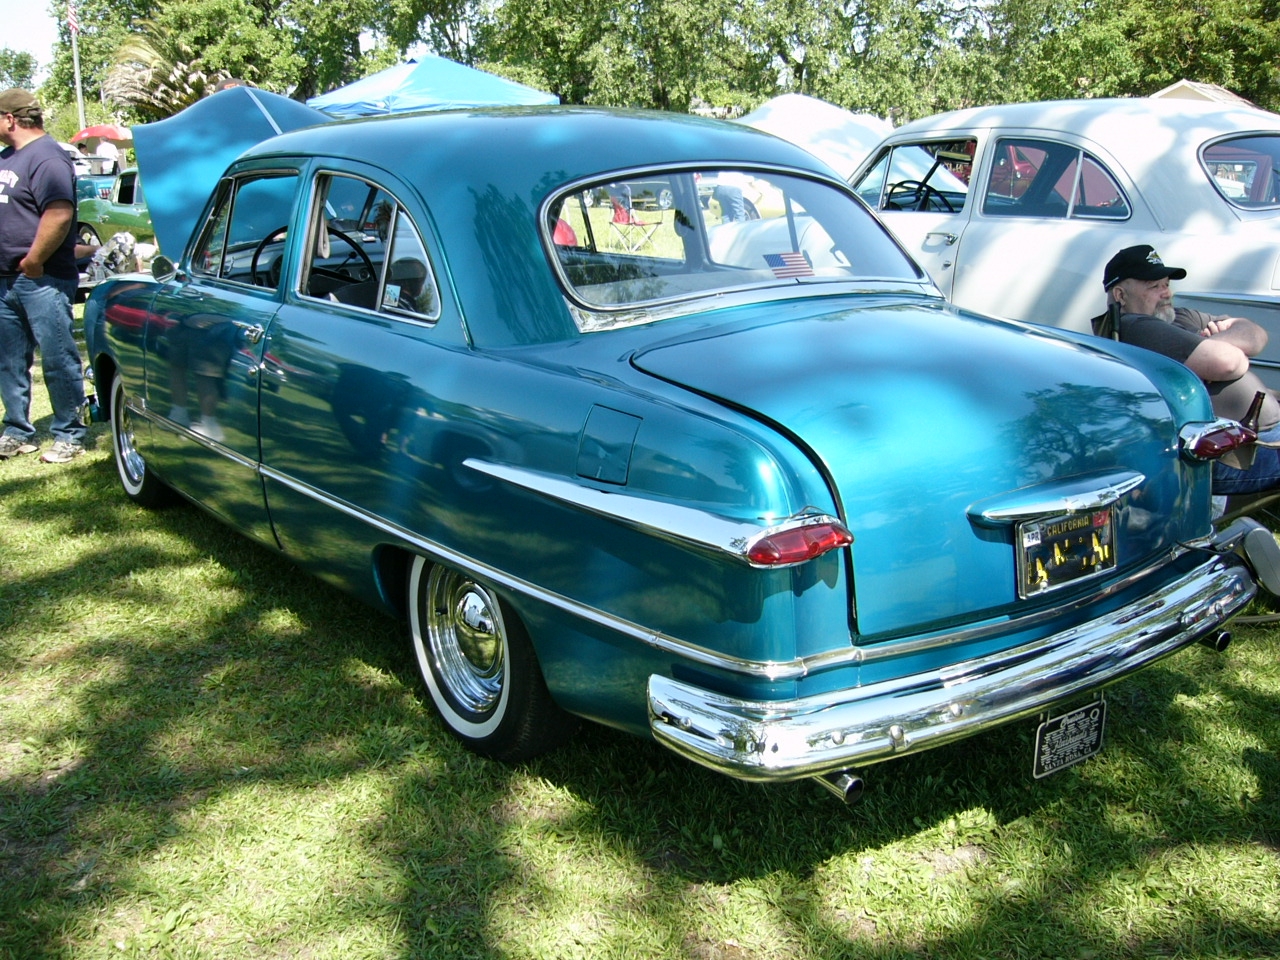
(17, 101)
(1138, 263)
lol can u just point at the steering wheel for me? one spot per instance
(923, 194)
(273, 275)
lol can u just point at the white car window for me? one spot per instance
(924, 177)
(1045, 179)
(1246, 170)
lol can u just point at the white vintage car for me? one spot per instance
(1015, 209)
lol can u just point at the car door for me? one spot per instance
(204, 354)
(1047, 213)
(921, 191)
(343, 402)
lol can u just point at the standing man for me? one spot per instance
(1216, 349)
(38, 281)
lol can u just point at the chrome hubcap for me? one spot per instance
(467, 639)
(131, 463)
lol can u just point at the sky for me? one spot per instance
(29, 27)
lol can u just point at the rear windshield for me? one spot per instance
(668, 236)
(1246, 170)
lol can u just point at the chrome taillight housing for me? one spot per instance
(797, 540)
(1209, 441)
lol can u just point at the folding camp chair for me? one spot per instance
(631, 230)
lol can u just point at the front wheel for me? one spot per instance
(140, 484)
(479, 666)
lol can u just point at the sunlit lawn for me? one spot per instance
(206, 754)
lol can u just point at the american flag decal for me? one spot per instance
(786, 265)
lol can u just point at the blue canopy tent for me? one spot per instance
(431, 83)
(180, 159)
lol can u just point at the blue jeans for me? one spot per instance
(37, 313)
(1263, 475)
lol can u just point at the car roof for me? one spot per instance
(1131, 116)
(484, 175)
(552, 144)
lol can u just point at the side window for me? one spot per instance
(925, 177)
(1246, 170)
(1098, 194)
(244, 238)
(365, 251)
(125, 195)
(871, 185)
(1048, 180)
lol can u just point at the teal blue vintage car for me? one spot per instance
(732, 475)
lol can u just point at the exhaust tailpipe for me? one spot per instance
(845, 785)
(1217, 641)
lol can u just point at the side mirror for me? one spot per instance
(163, 269)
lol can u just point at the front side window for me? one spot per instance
(365, 251)
(243, 239)
(691, 234)
(1045, 179)
(922, 177)
(1246, 170)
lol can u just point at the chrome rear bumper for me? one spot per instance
(812, 736)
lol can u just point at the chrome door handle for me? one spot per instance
(950, 238)
(253, 332)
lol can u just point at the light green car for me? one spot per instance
(124, 208)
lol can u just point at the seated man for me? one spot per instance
(1216, 348)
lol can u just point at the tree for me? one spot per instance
(17, 68)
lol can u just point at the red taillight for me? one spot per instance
(1209, 441)
(797, 543)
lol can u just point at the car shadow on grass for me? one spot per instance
(194, 699)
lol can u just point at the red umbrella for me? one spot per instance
(104, 131)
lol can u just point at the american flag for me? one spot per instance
(786, 265)
(72, 22)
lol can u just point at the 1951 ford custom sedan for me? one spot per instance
(731, 475)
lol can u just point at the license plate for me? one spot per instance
(1067, 739)
(1056, 551)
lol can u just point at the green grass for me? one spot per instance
(207, 754)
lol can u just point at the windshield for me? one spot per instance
(669, 236)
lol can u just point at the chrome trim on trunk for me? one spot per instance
(812, 736)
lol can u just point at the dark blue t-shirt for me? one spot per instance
(31, 179)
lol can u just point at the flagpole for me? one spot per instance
(74, 24)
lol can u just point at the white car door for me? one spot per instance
(1046, 216)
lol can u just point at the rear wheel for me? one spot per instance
(479, 666)
(140, 484)
(87, 235)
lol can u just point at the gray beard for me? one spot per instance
(1165, 313)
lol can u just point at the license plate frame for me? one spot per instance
(1069, 738)
(1058, 551)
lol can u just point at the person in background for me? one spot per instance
(111, 153)
(1216, 348)
(38, 280)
